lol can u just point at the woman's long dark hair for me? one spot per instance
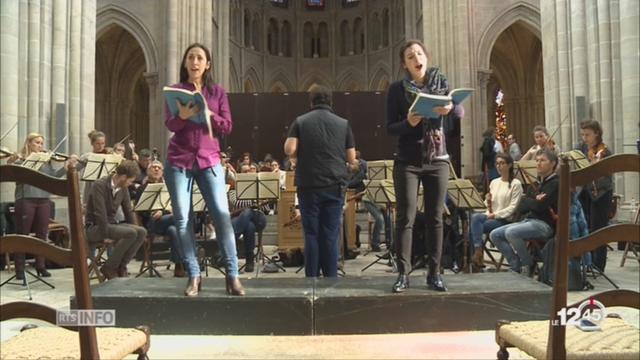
(509, 160)
(207, 76)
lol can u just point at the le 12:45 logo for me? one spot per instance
(590, 309)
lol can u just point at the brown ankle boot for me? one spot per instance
(478, 258)
(234, 287)
(178, 270)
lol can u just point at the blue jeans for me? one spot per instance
(165, 226)
(247, 224)
(212, 186)
(514, 236)
(321, 217)
(380, 221)
(481, 225)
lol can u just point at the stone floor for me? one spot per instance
(462, 345)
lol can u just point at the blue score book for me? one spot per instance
(185, 97)
(424, 103)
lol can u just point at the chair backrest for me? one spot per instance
(76, 256)
(566, 249)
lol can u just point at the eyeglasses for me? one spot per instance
(501, 163)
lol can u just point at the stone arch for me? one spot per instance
(114, 14)
(350, 80)
(256, 32)
(358, 36)
(346, 44)
(374, 32)
(380, 79)
(307, 40)
(251, 75)
(521, 11)
(280, 78)
(322, 40)
(313, 78)
(234, 78)
(273, 37)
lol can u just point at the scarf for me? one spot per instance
(435, 83)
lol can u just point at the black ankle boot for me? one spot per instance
(434, 281)
(401, 284)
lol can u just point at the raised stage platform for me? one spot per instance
(300, 306)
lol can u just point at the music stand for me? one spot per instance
(154, 197)
(380, 169)
(383, 192)
(577, 159)
(100, 165)
(526, 171)
(258, 188)
(465, 196)
(35, 160)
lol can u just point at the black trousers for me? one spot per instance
(407, 179)
(596, 213)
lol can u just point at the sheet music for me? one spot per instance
(577, 159)
(100, 165)
(36, 159)
(380, 191)
(380, 169)
(258, 186)
(154, 197)
(464, 195)
(526, 171)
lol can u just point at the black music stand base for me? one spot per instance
(595, 272)
(260, 257)
(386, 256)
(27, 283)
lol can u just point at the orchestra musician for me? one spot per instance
(596, 196)
(33, 205)
(542, 140)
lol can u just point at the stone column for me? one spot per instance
(221, 42)
(59, 64)
(629, 132)
(33, 67)
(452, 51)
(591, 49)
(9, 29)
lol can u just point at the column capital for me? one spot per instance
(151, 78)
(483, 77)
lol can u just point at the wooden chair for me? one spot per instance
(490, 249)
(98, 259)
(548, 339)
(629, 246)
(84, 342)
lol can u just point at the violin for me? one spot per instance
(595, 154)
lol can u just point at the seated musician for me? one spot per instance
(502, 200)
(357, 183)
(247, 218)
(543, 140)
(540, 206)
(105, 195)
(160, 222)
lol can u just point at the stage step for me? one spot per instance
(300, 306)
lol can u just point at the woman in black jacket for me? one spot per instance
(421, 157)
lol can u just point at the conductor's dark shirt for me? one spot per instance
(323, 138)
